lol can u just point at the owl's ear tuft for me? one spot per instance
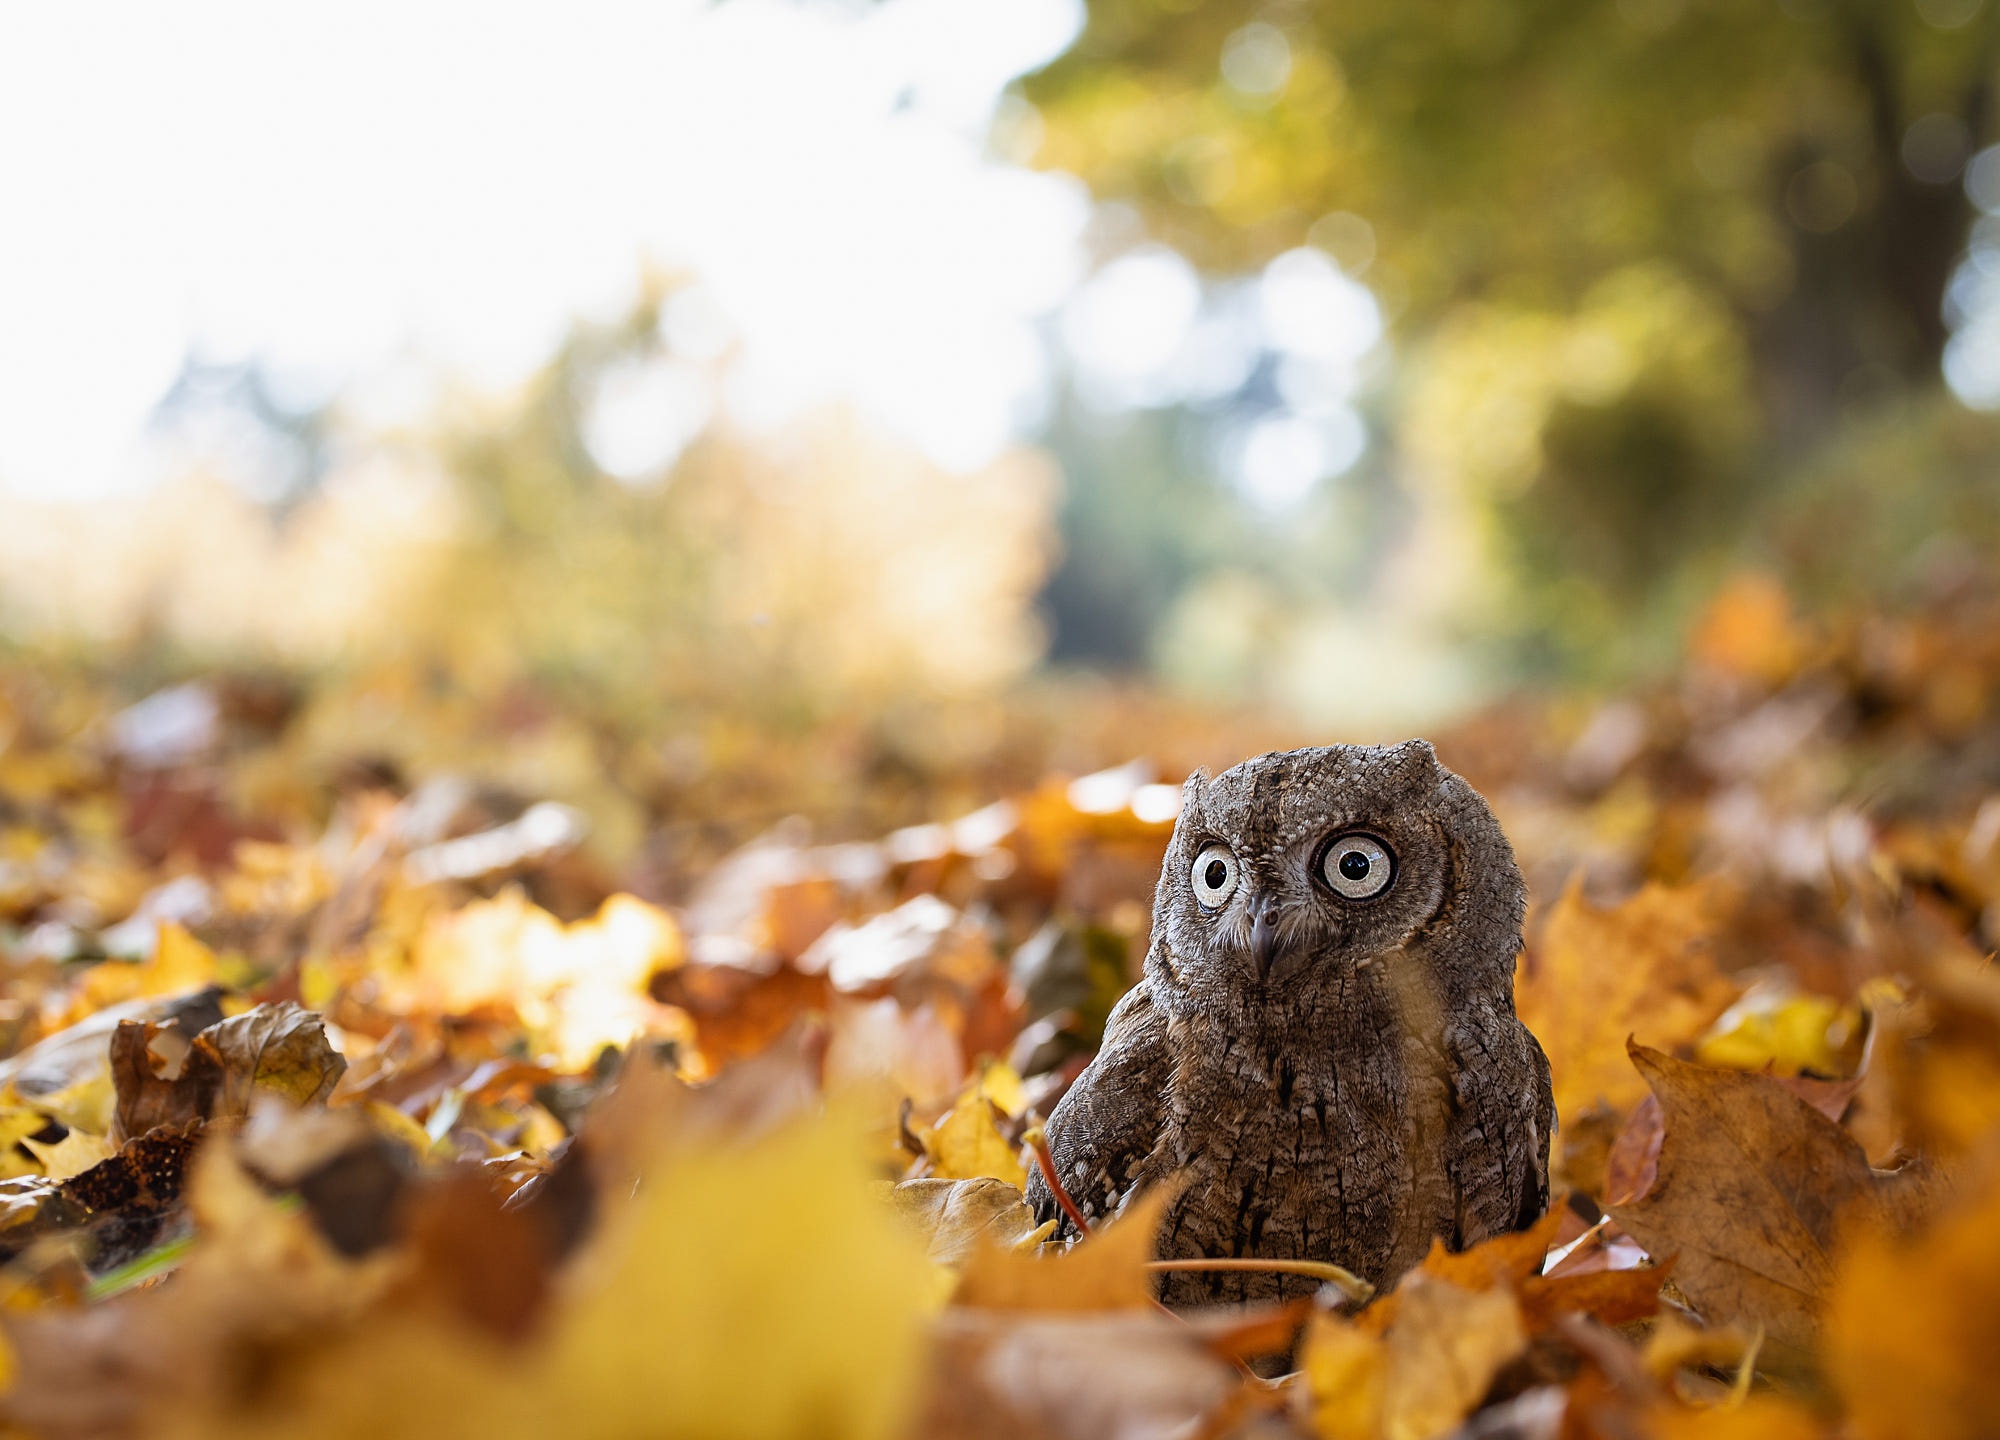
(1419, 750)
(1192, 787)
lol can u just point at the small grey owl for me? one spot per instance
(1324, 1047)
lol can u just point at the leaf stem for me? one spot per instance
(1040, 1145)
(1346, 1281)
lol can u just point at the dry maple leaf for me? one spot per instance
(1750, 1189)
(1591, 977)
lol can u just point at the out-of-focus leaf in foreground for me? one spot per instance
(1592, 977)
(1912, 1330)
(673, 1321)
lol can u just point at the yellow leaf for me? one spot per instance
(743, 1291)
(1762, 1417)
(1443, 1351)
(1786, 1033)
(75, 1153)
(1592, 977)
(85, 1104)
(179, 963)
(398, 1126)
(578, 988)
(999, 1083)
(17, 1125)
(1344, 1369)
(955, 1215)
(967, 1143)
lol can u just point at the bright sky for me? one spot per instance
(364, 193)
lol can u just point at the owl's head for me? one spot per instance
(1293, 863)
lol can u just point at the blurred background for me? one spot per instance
(731, 409)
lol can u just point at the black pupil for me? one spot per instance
(1215, 874)
(1354, 865)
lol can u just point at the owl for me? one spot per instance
(1323, 1053)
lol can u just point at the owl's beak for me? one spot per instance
(1264, 935)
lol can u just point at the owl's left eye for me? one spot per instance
(1357, 866)
(1213, 875)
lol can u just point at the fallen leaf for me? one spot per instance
(1751, 1187)
(967, 1143)
(1001, 1375)
(1761, 1417)
(1944, 1069)
(178, 965)
(955, 1216)
(1442, 1353)
(1345, 1368)
(1592, 977)
(1611, 1297)
(75, 1153)
(1781, 1030)
(1106, 1270)
(1913, 1325)
(670, 1317)
(1500, 1260)
(67, 1075)
(163, 1078)
(282, 1049)
(160, 1078)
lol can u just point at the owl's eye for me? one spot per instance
(1357, 866)
(1214, 875)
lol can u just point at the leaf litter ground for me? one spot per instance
(339, 1104)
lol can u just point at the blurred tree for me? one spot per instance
(1782, 173)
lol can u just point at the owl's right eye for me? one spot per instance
(1214, 876)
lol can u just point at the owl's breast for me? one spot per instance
(1310, 1151)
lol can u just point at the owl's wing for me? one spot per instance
(1110, 1119)
(1506, 1118)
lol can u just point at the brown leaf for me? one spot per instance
(1752, 1183)
(1634, 1160)
(1613, 1297)
(162, 1078)
(280, 1048)
(75, 1056)
(1242, 1333)
(480, 1262)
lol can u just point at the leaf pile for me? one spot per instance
(337, 1101)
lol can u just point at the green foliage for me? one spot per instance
(1646, 258)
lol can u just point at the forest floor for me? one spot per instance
(351, 1095)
